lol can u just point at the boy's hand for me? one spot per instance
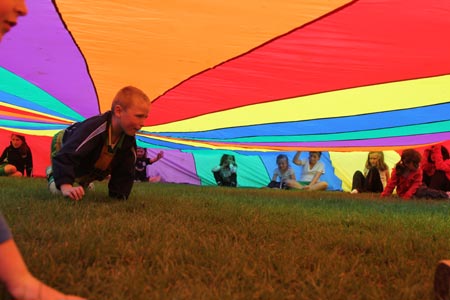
(73, 192)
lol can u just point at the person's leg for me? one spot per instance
(218, 178)
(439, 181)
(2, 169)
(233, 180)
(11, 170)
(428, 193)
(358, 182)
(274, 185)
(319, 186)
(55, 146)
(56, 143)
(426, 179)
(292, 184)
(373, 181)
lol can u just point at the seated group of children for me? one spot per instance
(411, 177)
(283, 176)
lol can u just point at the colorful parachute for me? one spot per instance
(255, 78)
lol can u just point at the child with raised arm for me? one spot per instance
(21, 284)
(16, 159)
(283, 173)
(436, 168)
(142, 161)
(225, 174)
(375, 177)
(312, 169)
(406, 178)
(100, 146)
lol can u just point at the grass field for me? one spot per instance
(172, 241)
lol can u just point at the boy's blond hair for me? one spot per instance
(124, 97)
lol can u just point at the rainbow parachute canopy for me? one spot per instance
(253, 77)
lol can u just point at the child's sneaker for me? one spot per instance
(51, 181)
(49, 175)
(91, 186)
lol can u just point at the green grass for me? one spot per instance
(172, 241)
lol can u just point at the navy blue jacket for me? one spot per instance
(81, 147)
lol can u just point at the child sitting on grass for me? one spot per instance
(142, 161)
(226, 173)
(16, 159)
(406, 178)
(375, 177)
(284, 172)
(436, 168)
(312, 169)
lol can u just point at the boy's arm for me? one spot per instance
(122, 174)
(79, 144)
(73, 192)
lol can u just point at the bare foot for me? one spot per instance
(154, 179)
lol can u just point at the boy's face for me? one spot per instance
(132, 119)
(10, 10)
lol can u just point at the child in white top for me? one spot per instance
(312, 169)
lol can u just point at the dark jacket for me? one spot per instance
(81, 147)
(13, 157)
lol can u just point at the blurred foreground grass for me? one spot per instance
(171, 241)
